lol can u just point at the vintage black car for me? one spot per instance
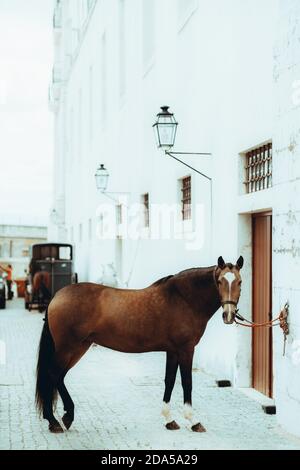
(2, 294)
(50, 269)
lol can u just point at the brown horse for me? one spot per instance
(171, 315)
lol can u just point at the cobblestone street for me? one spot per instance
(118, 399)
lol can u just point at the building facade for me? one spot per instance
(15, 243)
(116, 63)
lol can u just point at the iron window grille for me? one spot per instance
(258, 169)
(186, 201)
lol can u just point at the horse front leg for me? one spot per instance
(185, 365)
(170, 377)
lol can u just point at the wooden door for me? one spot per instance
(262, 374)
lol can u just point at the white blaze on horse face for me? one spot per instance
(189, 415)
(166, 412)
(230, 277)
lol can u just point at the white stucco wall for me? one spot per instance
(286, 232)
(213, 64)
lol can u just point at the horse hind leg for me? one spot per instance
(68, 403)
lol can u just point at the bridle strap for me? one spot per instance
(230, 302)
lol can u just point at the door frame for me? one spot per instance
(270, 372)
(243, 361)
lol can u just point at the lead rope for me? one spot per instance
(281, 321)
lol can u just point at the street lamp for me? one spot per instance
(101, 177)
(165, 129)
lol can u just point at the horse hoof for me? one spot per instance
(55, 428)
(172, 426)
(67, 420)
(198, 428)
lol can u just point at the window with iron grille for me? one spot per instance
(186, 200)
(258, 168)
(146, 211)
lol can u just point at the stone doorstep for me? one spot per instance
(267, 404)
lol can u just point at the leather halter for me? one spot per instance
(230, 302)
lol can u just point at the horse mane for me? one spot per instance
(201, 272)
(162, 280)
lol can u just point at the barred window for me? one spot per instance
(186, 200)
(258, 168)
(146, 211)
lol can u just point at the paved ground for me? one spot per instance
(118, 401)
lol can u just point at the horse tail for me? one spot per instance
(46, 391)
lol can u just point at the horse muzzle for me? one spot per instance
(229, 311)
(228, 318)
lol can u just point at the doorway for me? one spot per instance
(262, 367)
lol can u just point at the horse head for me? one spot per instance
(229, 284)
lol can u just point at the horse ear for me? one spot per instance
(240, 263)
(221, 262)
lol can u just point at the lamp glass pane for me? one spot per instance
(101, 181)
(156, 135)
(166, 134)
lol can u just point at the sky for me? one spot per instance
(26, 124)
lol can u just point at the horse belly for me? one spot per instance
(129, 339)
